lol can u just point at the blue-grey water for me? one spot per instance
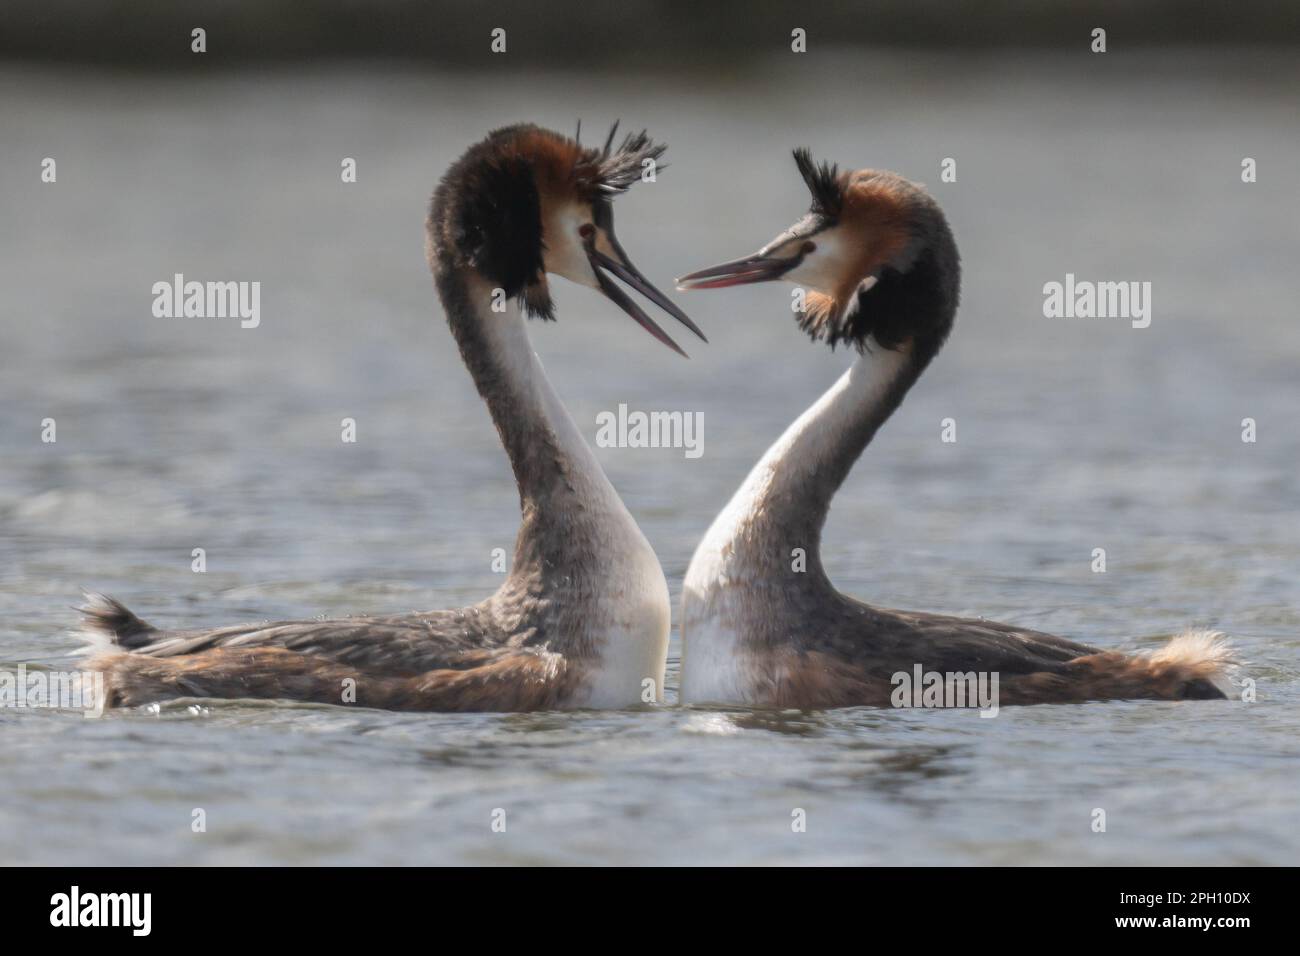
(1072, 435)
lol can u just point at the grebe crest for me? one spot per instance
(874, 252)
(526, 202)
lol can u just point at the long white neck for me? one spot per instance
(571, 512)
(583, 575)
(782, 505)
(533, 404)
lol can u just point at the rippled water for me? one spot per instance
(1072, 435)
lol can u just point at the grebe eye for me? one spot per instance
(808, 247)
(586, 230)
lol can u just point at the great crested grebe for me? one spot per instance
(881, 265)
(582, 618)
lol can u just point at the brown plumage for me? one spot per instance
(483, 680)
(467, 660)
(1191, 666)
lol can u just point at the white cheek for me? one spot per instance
(822, 270)
(564, 255)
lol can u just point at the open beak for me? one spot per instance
(619, 265)
(755, 268)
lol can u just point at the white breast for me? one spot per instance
(714, 665)
(634, 644)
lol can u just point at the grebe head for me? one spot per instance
(874, 252)
(526, 203)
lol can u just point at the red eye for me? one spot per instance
(586, 230)
(809, 247)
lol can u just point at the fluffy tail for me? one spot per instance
(1192, 666)
(107, 623)
(1200, 660)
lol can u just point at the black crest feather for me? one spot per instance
(608, 171)
(823, 182)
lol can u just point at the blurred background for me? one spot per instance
(1072, 434)
(567, 34)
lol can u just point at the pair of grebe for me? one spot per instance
(582, 619)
